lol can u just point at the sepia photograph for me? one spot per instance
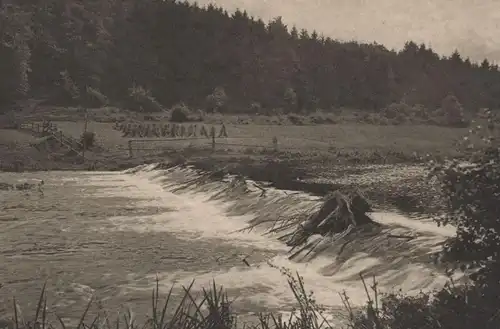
(217, 164)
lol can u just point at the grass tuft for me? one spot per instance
(449, 308)
(210, 310)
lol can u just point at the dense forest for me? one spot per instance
(116, 51)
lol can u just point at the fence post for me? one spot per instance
(130, 148)
(212, 132)
(61, 137)
(32, 126)
(275, 144)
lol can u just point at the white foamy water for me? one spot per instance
(195, 217)
(139, 225)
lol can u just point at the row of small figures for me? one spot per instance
(168, 130)
(48, 126)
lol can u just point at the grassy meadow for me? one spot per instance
(325, 140)
(327, 136)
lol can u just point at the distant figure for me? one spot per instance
(135, 129)
(190, 131)
(223, 132)
(203, 131)
(155, 130)
(147, 129)
(165, 130)
(141, 130)
(173, 132)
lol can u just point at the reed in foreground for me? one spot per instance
(211, 311)
(452, 307)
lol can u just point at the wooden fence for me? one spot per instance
(50, 129)
(213, 143)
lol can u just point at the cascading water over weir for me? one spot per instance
(396, 249)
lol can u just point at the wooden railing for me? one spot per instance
(161, 144)
(49, 128)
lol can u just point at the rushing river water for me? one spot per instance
(110, 234)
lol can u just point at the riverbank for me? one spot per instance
(391, 175)
(400, 186)
(387, 186)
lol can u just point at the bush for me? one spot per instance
(470, 192)
(296, 119)
(421, 112)
(450, 308)
(395, 110)
(399, 113)
(290, 99)
(180, 113)
(400, 118)
(471, 195)
(451, 115)
(453, 112)
(216, 102)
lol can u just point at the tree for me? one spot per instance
(217, 100)
(290, 98)
(485, 64)
(453, 111)
(16, 33)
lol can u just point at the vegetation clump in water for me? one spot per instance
(19, 187)
(339, 213)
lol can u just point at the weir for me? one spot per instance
(396, 241)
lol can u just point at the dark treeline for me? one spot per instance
(74, 51)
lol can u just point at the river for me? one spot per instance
(111, 234)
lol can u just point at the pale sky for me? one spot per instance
(471, 26)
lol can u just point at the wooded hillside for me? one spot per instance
(120, 52)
